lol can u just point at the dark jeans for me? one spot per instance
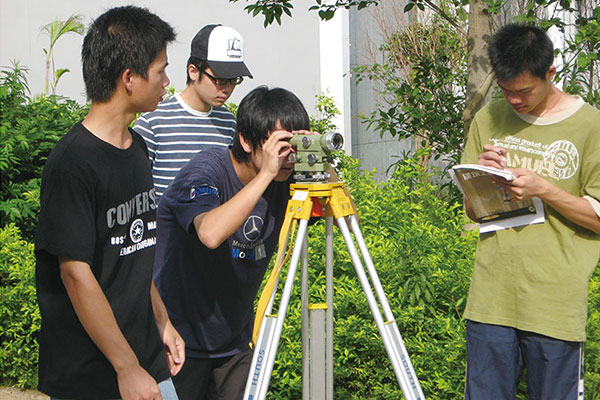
(498, 354)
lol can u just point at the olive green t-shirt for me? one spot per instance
(535, 278)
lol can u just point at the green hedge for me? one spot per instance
(29, 130)
(19, 313)
(592, 345)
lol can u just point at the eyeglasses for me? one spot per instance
(222, 81)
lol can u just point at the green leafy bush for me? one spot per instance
(327, 111)
(19, 313)
(592, 345)
(423, 78)
(29, 129)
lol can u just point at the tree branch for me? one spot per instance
(444, 15)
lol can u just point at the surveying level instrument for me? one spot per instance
(312, 155)
(328, 200)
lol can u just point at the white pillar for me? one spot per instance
(335, 69)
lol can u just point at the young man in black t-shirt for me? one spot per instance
(217, 229)
(105, 329)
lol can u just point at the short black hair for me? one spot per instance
(518, 48)
(198, 63)
(258, 114)
(122, 38)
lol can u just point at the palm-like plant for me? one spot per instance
(55, 30)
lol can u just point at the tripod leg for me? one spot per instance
(389, 331)
(370, 268)
(263, 358)
(305, 324)
(329, 320)
(401, 353)
(279, 260)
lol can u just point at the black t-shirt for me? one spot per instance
(210, 293)
(99, 207)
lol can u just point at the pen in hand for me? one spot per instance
(502, 153)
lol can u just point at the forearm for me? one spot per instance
(95, 314)
(161, 315)
(174, 344)
(576, 209)
(215, 226)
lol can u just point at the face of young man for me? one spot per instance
(207, 92)
(528, 94)
(150, 91)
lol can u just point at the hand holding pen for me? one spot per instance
(493, 156)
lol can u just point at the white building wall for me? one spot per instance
(374, 151)
(283, 56)
(304, 55)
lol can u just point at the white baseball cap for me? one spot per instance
(222, 48)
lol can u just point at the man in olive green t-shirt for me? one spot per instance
(527, 304)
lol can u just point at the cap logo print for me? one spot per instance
(234, 50)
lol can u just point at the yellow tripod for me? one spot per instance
(328, 200)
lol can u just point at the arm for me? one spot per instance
(174, 344)
(528, 184)
(215, 226)
(576, 209)
(98, 320)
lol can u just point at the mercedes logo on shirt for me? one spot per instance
(252, 228)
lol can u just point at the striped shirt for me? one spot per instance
(174, 133)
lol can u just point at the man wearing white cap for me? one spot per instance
(195, 119)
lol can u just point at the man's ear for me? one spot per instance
(126, 80)
(245, 144)
(193, 72)
(551, 72)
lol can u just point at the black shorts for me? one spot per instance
(213, 378)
